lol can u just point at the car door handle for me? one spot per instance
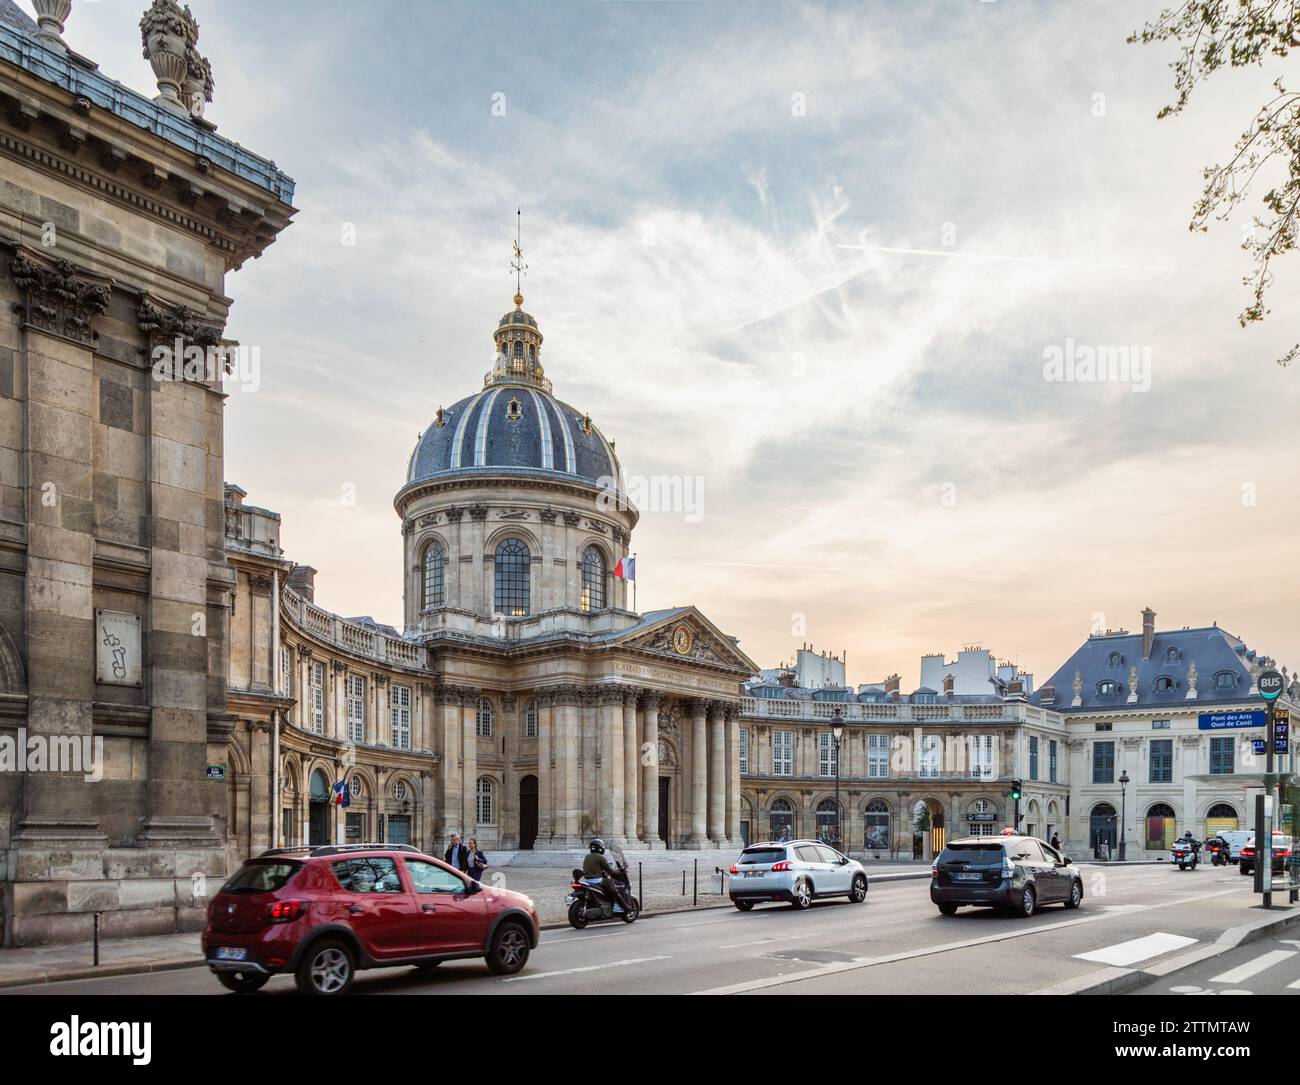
(428, 907)
(356, 909)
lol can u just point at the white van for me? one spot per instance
(1235, 839)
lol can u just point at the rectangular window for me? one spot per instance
(1103, 762)
(981, 757)
(1051, 760)
(485, 812)
(1221, 756)
(318, 698)
(827, 755)
(1033, 757)
(1103, 727)
(782, 753)
(400, 705)
(929, 766)
(356, 708)
(877, 756)
(286, 672)
(1160, 725)
(744, 751)
(1162, 760)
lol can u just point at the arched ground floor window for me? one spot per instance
(875, 826)
(1161, 826)
(780, 817)
(1221, 818)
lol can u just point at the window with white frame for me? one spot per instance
(356, 708)
(929, 760)
(286, 671)
(483, 718)
(530, 720)
(485, 795)
(782, 753)
(827, 755)
(318, 698)
(979, 828)
(400, 715)
(877, 756)
(744, 750)
(981, 757)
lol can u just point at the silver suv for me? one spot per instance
(795, 871)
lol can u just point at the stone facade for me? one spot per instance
(118, 223)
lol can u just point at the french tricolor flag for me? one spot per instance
(626, 568)
(342, 794)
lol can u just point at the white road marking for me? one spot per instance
(768, 941)
(584, 968)
(1293, 986)
(1139, 949)
(1253, 968)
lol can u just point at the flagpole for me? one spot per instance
(634, 610)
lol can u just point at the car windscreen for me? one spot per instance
(762, 855)
(983, 854)
(261, 877)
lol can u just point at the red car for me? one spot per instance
(323, 913)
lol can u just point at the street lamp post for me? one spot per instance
(1123, 819)
(837, 733)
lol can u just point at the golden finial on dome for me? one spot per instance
(517, 265)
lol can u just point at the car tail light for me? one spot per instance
(784, 864)
(286, 911)
(1282, 854)
(934, 869)
(734, 870)
(1008, 868)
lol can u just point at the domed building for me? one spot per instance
(525, 703)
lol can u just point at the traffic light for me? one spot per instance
(1015, 790)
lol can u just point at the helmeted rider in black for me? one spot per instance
(1188, 839)
(595, 865)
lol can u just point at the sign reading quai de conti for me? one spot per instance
(117, 648)
(1222, 721)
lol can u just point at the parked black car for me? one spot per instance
(1018, 873)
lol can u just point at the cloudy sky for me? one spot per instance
(814, 256)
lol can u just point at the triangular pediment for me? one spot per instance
(684, 635)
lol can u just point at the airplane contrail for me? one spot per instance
(952, 253)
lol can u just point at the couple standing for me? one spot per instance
(466, 857)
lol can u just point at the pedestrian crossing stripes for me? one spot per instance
(1253, 968)
(1139, 949)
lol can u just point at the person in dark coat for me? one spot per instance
(457, 855)
(1055, 842)
(477, 861)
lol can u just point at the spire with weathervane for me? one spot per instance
(518, 341)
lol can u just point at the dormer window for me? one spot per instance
(1165, 684)
(1116, 660)
(1108, 688)
(1172, 656)
(514, 410)
(1225, 680)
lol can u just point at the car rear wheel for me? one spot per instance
(508, 952)
(947, 909)
(1076, 895)
(242, 983)
(327, 968)
(1028, 902)
(743, 905)
(859, 891)
(802, 897)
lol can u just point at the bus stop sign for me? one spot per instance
(1270, 685)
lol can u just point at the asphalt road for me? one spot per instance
(894, 943)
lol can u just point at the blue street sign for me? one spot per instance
(1257, 744)
(1220, 721)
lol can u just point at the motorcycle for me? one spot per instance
(1184, 855)
(590, 901)
(1218, 854)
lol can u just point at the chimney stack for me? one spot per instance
(1148, 631)
(891, 683)
(302, 579)
(949, 683)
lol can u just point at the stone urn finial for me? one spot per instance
(199, 83)
(51, 15)
(164, 32)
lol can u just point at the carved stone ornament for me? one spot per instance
(595, 526)
(454, 513)
(60, 298)
(479, 512)
(549, 515)
(260, 585)
(170, 36)
(163, 322)
(572, 519)
(514, 514)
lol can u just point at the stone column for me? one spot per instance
(566, 783)
(631, 768)
(699, 775)
(733, 774)
(609, 774)
(717, 774)
(545, 825)
(469, 759)
(449, 748)
(261, 830)
(506, 736)
(651, 703)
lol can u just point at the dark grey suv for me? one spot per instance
(1018, 873)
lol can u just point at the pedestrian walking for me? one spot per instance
(477, 861)
(457, 854)
(1056, 842)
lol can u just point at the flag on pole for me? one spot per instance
(342, 794)
(626, 568)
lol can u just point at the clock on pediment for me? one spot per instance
(683, 640)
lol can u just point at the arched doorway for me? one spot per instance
(929, 834)
(318, 821)
(1101, 828)
(527, 812)
(1161, 825)
(1220, 818)
(876, 836)
(780, 819)
(828, 822)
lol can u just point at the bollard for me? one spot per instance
(683, 883)
(640, 887)
(97, 915)
(695, 889)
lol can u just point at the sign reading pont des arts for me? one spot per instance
(117, 648)
(1221, 721)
